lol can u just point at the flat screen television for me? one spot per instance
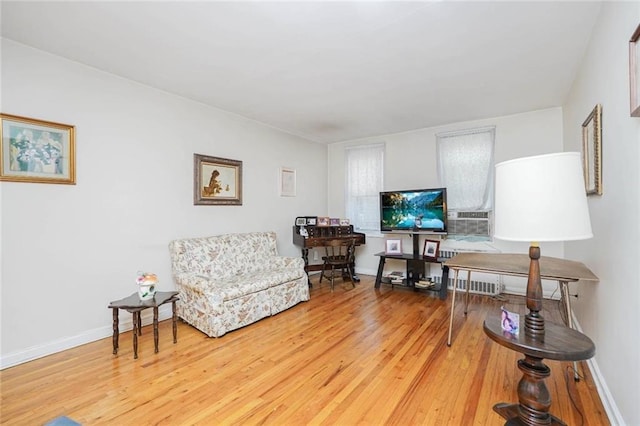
(414, 211)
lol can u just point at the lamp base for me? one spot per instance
(511, 413)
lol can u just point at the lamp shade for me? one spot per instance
(541, 198)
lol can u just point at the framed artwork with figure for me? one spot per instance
(37, 151)
(216, 181)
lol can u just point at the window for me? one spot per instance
(364, 173)
(465, 168)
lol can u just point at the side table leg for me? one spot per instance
(155, 328)
(453, 304)
(175, 322)
(136, 326)
(533, 396)
(564, 289)
(466, 298)
(116, 331)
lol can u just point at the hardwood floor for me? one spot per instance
(354, 356)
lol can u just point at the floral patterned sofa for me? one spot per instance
(229, 281)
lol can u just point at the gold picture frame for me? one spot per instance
(216, 181)
(592, 151)
(634, 72)
(36, 151)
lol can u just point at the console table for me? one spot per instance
(134, 305)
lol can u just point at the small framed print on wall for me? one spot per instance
(287, 182)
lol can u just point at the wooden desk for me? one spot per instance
(551, 268)
(319, 236)
(134, 305)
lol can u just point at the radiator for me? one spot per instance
(487, 284)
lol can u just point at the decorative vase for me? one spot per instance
(146, 285)
(146, 290)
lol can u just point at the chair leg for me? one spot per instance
(333, 273)
(350, 272)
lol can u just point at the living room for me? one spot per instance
(68, 250)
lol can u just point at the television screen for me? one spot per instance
(417, 210)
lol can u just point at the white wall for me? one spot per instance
(609, 311)
(410, 162)
(67, 251)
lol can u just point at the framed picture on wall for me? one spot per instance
(287, 182)
(37, 151)
(592, 151)
(216, 181)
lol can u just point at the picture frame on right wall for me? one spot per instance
(634, 72)
(592, 151)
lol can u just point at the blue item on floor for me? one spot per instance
(62, 421)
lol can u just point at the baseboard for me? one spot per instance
(610, 407)
(35, 352)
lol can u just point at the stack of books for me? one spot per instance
(395, 277)
(424, 283)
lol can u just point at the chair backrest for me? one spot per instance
(342, 249)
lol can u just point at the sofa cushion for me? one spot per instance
(240, 285)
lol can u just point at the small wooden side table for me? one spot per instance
(559, 343)
(134, 305)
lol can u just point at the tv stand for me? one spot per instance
(415, 268)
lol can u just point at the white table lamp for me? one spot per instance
(540, 198)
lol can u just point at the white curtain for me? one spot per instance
(364, 165)
(465, 168)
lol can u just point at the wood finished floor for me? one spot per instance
(351, 357)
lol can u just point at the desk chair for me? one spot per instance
(339, 254)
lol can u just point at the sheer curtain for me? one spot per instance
(465, 168)
(364, 165)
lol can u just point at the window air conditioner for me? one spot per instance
(473, 223)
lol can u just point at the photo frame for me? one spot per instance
(345, 222)
(393, 247)
(312, 220)
(634, 73)
(334, 221)
(301, 221)
(592, 151)
(431, 249)
(323, 221)
(36, 151)
(287, 182)
(216, 181)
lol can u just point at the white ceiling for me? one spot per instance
(327, 71)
